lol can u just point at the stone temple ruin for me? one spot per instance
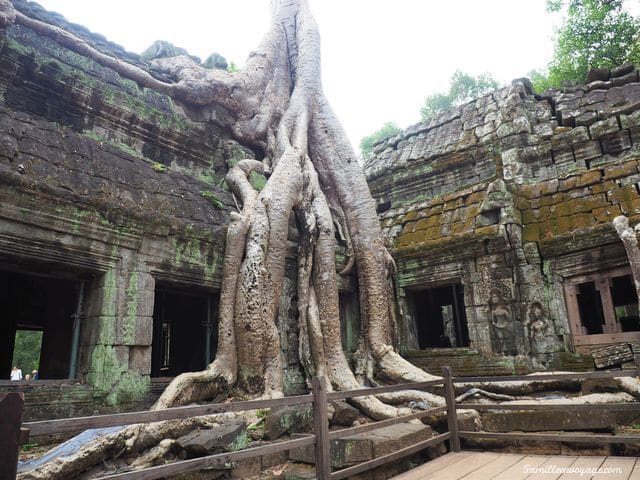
(113, 214)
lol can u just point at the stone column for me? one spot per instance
(115, 347)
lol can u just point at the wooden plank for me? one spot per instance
(552, 469)
(496, 467)
(603, 285)
(635, 473)
(520, 470)
(458, 470)
(386, 389)
(616, 468)
(452, 418)
(217, 460)
(601, 338)
(573, 310)
(434, 466)
(580, 468)
(618, 407)
(556, 376)
(321, 429)
(46, 427)
(552, 437)
(385, 423)
(11, 406)
(391, 457)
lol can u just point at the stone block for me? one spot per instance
(226, 437)
(562, 155)
(604, 127)
(288, 419)
(140, 360)
(634, 133)
(630, 120)
(101, 301)
(143, 331)
(344, 414)
(627, 193)
(532, 421)
(616, 142)
(586, 151)
(362, 447)
(396, 437)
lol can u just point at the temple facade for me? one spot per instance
(113, 214)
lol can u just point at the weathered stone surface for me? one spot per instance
(220, 438)
(288, 420)
(358, 448)
(344, 414)
(532, 421)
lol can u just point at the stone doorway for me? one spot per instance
(184, 331)
(440, 317)
(38, 303)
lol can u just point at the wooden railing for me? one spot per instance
(322, 437)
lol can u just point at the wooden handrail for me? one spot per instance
(619, 407)
(322, 437)
(553, 437)
(46, 427)
(550, 377)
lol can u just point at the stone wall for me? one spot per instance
(509, 195)
(110, 184)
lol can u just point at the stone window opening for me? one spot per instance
(184, 331)
(603, 308)
(489, 217)
(439, 315)
(39, 315)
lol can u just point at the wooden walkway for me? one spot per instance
(507, 466)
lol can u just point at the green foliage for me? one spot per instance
(213, 199)
(27, 447)
(26, 352)
(594, 34)
(366, 144)
(463, 88)
(540, 80)
(232, 68)
(159, 167)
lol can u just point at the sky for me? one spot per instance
(380, 58)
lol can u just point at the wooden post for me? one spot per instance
(321, 429)
(452, 417)
(11, 406)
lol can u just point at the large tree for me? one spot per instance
(278, 109)
(594, 33)
(462, 88)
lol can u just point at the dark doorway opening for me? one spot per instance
(440, 318)
(590, 305)
(349, 321)
(38, 314)
(625, 303)
(184, 331)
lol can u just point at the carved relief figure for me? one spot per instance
(502, 325)
(538, 328)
